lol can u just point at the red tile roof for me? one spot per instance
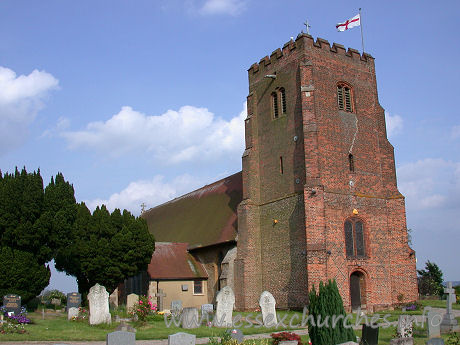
(172, 261)
(204, 217)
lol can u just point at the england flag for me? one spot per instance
(350, 23)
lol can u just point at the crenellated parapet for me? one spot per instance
(307, 43)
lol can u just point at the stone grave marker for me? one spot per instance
(435, 341)
(176, 307)
(12, 303)
(370, 335)
(181, 338)
(71, 313)
(123, 326)
(73, 300)
(206, 310)
(434, 324)
(267, 306)
(160, 295)
(402, 341)
(224, 310)
(98, 298)
(190, 318)
(405, 326)
(449, 322)
(238, 335)
(348, 343)
(121, 338)
(55, 301)
(131, 300)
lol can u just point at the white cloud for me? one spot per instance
(176, 136)
(21, 97)
(151, 192)
(430, 183)
(231, 7)
(455, 132)
(394, 124)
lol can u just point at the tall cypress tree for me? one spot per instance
(328, 305)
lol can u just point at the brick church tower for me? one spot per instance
(320, 199)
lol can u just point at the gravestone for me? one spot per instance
(237, 334)
(160, 295)
(123, 326)
(73, 300)
(131, 300)
(402, 341)
(12, 303)
(449, 322)
(206, 309)
(190, 318)
(370, 335)
(224, 311)
(405, 326)
(72, 312)
(435, 341)
(348, 343)
(434, 324)
(98, 298)
(181, 338)
(176, 307)
(267, 306)
(55, 301)
(121, 338)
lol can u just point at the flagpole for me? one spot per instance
(361, 26)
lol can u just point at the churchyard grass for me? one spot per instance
(437, 304)
(56, 327)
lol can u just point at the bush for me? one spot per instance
(323, 306)
(49, 295)
(277, 337)
(143, 308)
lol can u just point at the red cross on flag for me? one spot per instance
(350, 23)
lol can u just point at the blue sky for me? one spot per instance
(142, 101)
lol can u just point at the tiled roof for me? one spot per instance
(172, 261)
(204, 217)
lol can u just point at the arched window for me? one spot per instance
(344, 97)
(283, 100)
(275, 105)
(354, 237)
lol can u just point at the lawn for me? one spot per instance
(55, 327)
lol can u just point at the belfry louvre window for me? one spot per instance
(354, 238)
(344, 98)
(275, 105)
(283, 100)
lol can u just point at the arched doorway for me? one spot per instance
(357, 290)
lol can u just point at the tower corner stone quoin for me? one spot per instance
(314, 159)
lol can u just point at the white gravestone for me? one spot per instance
(98, 298)
(225, 303)
(434, 324)
(72, 313)
(405, 326)
(131, 300)
(190, 318)
(181, 339)
(267, 306)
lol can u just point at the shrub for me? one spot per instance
(323, 306)
(277, 337)
(143, 308)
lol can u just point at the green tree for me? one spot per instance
(21, 274)
(430, 280)
(105, 248)
(328, 305)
